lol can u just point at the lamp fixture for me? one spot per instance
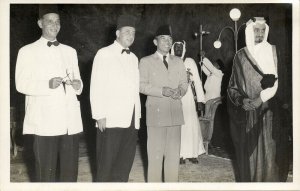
(235, 15)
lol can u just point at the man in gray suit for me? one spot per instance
(163, 79)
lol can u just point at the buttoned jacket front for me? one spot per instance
(48, 112)
(114, 88)
(161, 110)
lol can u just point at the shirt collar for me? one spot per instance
(119, 47)
(161, 56)
(44, 40)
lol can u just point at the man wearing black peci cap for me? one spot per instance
(115, 104)
(163, 79)
(47, 73)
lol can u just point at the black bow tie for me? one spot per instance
(125, 50)
(55, 43)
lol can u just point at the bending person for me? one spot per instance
(213, 82)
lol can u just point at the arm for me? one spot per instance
(145, 86)
(210, 67)
(26, 80)
(76, 72)
(268, 93)
(204, 68)
(137, 84)
(99, 87)
(236, 79)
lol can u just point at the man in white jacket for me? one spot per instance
(115, 104)
(47, 73)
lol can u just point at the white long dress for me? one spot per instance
(191, 136)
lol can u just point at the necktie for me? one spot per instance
(165, 62)
(125, 50)
(55, 43)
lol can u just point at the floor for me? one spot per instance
(214, 167)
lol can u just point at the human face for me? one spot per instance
(259, 32)
(50, 25)
(163, 43)
(178, 49)
(125, 36)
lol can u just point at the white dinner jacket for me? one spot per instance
(114, 90)
(48, 112)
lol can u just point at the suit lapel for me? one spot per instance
(171, 62)
(159, 63)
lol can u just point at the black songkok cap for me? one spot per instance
(164, 30)
(47, 8)
(126, 21)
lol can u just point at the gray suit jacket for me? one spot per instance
(162, 111)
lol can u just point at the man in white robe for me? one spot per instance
(191, 136)
(259, 139)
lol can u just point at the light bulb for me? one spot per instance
(235, 14)
(217, 44)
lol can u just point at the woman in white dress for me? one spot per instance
(191, 136)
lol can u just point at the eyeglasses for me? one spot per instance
(67, 76)
(66, 80)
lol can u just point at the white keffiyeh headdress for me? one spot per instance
(183, 51)
(261, 52)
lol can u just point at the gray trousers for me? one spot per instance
(163, 147)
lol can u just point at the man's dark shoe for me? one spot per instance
(194, 160)
(182, 161)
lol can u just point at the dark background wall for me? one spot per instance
(88, 28)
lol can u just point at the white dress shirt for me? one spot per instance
(114, 88)
(162, 56)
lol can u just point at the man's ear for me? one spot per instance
(39, 22)
(155, 41)
(117, 33)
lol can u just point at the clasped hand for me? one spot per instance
(56, 81)
(173, 93)
(251, 104)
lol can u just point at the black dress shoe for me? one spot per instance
(182, 161)
(194, 160)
